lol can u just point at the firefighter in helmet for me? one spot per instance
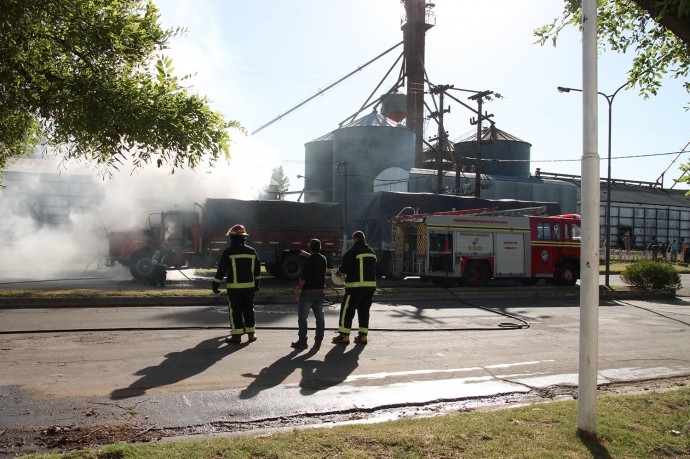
(240, 265)
(359, 270)
(160, 262)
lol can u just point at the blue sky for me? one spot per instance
(257, 59)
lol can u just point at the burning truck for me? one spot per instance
(278, 230)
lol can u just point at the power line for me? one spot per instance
(301, 161)
(578, 160)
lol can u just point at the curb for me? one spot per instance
(538, 293)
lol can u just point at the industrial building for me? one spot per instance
(643, 210)
(374, 154)
(386, 150)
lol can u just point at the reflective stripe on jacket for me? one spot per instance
(241, 265)
(359, 266)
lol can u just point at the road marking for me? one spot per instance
(449, 370)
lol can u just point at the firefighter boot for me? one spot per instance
(235, 339)
(251, 337)
(361, 338)
(342, 339)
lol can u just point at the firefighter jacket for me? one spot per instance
(359, 266)
(241, 265)
(160, 258)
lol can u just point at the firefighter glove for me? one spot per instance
(214, 287)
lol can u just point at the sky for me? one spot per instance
(257, 60)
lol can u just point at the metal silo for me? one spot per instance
(510, 155)
(318, 169)
(361, 151)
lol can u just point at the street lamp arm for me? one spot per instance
(609, 98)
(607, 231)
(616, 92)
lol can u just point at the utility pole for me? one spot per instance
(441, 138)
(479, 97)
(589, 253)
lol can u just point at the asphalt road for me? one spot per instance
(172, 368)
(168, 369)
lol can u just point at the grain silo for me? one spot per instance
(318, 169)
(501, 153)
(361, 151)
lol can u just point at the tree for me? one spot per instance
(81, 74)
(279, 183)
(658, 31)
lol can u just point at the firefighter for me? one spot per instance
(359, 270)
(159, 266)
(240, 264)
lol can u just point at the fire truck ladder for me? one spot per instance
(492, 211)
(524, 212)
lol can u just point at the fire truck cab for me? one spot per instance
(466, 248)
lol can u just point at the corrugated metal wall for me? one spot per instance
(645, 222)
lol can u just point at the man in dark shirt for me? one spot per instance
(310, 294)
(359, 270)
(241, 265)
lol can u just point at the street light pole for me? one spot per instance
(607, 257)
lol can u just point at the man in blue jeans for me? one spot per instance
(310, 294)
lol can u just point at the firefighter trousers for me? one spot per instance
(241, 310)
(357, 300)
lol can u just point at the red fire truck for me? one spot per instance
(472, 246)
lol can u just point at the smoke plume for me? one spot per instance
(55, 216)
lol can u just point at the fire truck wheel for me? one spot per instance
(140, 264)
(291, 266)
(566, 274)
(476, 274)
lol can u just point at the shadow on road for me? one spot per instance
(277, 372)
(336, 366)
(178, 366)
(317, 375)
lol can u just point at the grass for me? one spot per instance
(651, 425)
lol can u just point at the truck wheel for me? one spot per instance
(291, 266)
(140, 264)
(566, 274)
(476, 274)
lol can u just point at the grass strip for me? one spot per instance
(650, 425)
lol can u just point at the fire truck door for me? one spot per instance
(510, 255)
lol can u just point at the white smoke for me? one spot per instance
(76, 239)
(153, 190)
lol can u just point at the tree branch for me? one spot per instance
(680, 26)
